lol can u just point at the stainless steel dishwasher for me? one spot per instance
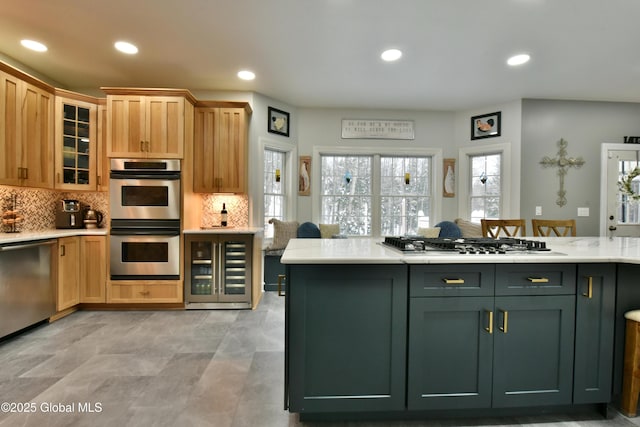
(27, 280)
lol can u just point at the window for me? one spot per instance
(485, 186)
(375, 194)
(404, 194)
(347, 193)
(275, 194)
(494, 198)
(628, 209)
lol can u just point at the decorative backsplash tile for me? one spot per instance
(237, 210)
(37, 206)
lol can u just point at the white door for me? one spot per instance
(620, 216)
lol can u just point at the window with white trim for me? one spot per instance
(485, 186)
(404, 194)
(275, 190)
(346, 193)
(376, 195)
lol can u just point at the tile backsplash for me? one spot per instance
(37, 205)
(237, 210)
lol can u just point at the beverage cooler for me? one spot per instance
(218, 271)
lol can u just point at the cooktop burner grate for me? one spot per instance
(481, 245)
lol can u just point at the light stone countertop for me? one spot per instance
(370, 251)
(26, 236)
(224, 230)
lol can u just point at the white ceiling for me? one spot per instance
(325, 53)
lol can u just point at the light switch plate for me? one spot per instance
(538, 210)
(583, 211)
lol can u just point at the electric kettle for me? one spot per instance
(92, 218)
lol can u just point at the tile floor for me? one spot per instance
(173, 368)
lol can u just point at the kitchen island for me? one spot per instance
(372, 332)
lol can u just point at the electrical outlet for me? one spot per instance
(538, 210)
(583, 211)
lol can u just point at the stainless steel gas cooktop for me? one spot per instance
(480, 245)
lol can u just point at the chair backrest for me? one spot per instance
(508, 227)
(560, 227)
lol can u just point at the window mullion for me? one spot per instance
(376, 221)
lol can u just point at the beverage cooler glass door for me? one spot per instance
(219, 269)
(236, 268)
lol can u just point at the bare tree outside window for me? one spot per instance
(274, 188)
(485, 186)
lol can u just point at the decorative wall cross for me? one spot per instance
(562, 162)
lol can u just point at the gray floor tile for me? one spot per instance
(213, 368)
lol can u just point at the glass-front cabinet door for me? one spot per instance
(236, 268)
(201, 270)
(218, 269)
(76, 144)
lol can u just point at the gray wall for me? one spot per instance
(323, 127)
(585, 125)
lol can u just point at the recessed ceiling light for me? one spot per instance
(391, 55)
(518, 59)
(33, 45)
(246, 75)
(126, 47)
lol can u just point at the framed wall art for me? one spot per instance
(486, 125)
(304, 176)
(449, 178)
(278, 122)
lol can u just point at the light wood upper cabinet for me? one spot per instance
(103, 166)
(10, 127)
(220, 150)
(76, 143)
(26, 133)
(147, 123)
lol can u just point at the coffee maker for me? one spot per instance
(69, 214)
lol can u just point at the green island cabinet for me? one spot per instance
(416, 338)
(347, 331)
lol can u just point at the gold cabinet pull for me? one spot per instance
(538, 279)
(62, 250)
(145, 293)
(281, 277)
(453, 281)
(589, 293)
(141, 145)
(505, 321)
(490, 327)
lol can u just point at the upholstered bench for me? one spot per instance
(282, 232)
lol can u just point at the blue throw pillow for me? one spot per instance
(449, 230)
(308, 230)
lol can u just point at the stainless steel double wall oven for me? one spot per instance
(145, 219)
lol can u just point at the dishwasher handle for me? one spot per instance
(27, 245)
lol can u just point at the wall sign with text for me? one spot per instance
(377, 129)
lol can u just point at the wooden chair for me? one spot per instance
(509, 227)
(560, 227)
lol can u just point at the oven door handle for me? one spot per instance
(167, 176)
(143, 232)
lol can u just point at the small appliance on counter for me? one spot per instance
(92, 218)
(69, 214)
